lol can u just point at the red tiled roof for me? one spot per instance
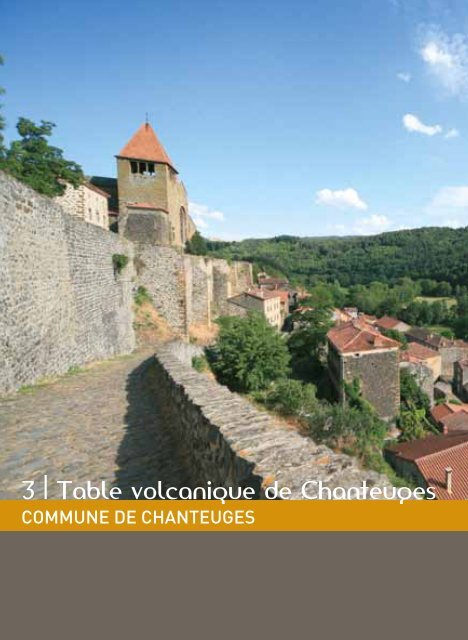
(284, 295)
(144, 145)
(441, 411)
(456, 422)
(416, 351)
(433, 469)
(387, 322)
(416, 449)
(145, 205)
(263, 294)
(358, 336)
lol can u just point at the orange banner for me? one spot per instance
(245, 515)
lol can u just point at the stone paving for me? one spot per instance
(99, 424)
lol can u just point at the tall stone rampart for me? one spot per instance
(62, 303)
(189, 290)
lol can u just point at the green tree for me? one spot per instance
(305, 344)
(248, 354)
(196, 245)
(290, 398)
(40, 165)
(461, 327)
(398, 336)
(411, 395)
(320, 296)
(413, 424)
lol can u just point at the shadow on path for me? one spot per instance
(148, 453)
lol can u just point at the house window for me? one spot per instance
(143, 168)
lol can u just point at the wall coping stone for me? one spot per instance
(271, 450)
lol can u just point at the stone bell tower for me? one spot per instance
(152, 200)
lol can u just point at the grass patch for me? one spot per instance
(200, 364)
(142, 296)
(74, 370)
(449, 301)
(30, 388)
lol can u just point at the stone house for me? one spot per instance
(386, 323)
(440, 462)
(358, 351)
(418, 354)
(460, 380)
(451, 417)
(424, 364)
(450, 350)
(150, 198)
(267, 283)
(87, 202)
(268, 303)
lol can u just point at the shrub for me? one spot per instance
(142, 296)
(358, 432)
(291, 398)
(119, 261)
(200, 363)
(410, 393)
(249, 354)
(398, 336)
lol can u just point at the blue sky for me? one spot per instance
(303, 118)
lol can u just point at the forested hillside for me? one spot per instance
(435, 253)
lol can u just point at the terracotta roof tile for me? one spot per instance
(433, 468)
(441, 411)
(144, 145)
(456, 422)
(416, 449)
(387, 322)
(263, 294)
(358, 335)
(416, 351)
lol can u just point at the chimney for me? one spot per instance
(448, 479)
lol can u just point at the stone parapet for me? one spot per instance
(230, 442)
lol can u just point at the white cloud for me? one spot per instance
(446, 59)
(342, 198)
(413, 123)
(450, 198)
(452, 133)
(404, 76)
(373, 224)
(200, 213)
(436, 54)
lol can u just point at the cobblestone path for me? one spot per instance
(98, 424)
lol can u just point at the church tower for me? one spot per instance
(153, 204)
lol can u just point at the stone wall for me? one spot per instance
(231, 443)
(86, 202)
(424, 376)
(161, 271)
(378, 372)
(61, 303)
(189, 290)
(451, 354)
